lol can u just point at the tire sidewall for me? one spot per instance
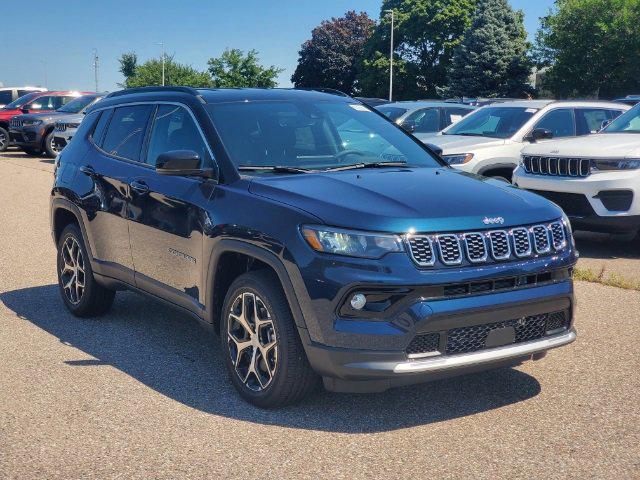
(82, 306)
(249, 284)
(48, 150)
(5, 132)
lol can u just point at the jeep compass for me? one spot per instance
(320, 240)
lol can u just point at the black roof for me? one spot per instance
(224, 95)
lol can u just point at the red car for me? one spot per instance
(32, 103)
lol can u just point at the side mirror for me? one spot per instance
(409, 127)
(605, 124)
(25, 109)
(539, 134)
(182, 163)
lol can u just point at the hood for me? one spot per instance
(599, 145)
(401, 199)
(45, 116)
(70, 117)
(462, 143)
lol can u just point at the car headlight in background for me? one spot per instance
(458, 158)
(350, 242)
(31, 123)
(621, 164)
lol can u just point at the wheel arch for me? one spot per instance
(232, 258)
(63, 213)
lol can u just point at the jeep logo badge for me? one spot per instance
(493, 221)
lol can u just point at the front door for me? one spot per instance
(168, 214)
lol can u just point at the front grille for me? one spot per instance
(475, 246)
(541, 239)
(474, 338)
(449, 247)
(421, 249)
(425, 343)
(453, 249)
(556, 166)
(15, 123)
(61, 127)
(500, 248)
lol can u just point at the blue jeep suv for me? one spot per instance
(318, 238)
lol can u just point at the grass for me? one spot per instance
(603, 278)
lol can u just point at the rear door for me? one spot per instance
(168, 213)
(117, 145)
(591, 120)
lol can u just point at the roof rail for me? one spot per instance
(324, 90)
(129, 91)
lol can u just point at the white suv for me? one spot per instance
(595, 179)
(489, 141)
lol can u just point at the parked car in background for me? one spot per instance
(595, 179)
(372, 102)
(631, 100)
(10, 94)
(31, 103)
(489, 141)
(312, 259)
(34, 132)
(424, 116)
(479, 101)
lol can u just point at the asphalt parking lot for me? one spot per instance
(141, 393)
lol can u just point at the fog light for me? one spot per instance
(358, 301)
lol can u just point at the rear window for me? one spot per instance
(22, 100)
(126, 130)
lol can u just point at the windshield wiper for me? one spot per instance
(274, 168)
(366, 165)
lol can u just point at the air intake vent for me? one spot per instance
(450, 253)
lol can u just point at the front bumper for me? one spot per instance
(27, 137)
(587, 201)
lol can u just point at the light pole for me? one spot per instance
(95, 67)
(391, 57)
(162, 45)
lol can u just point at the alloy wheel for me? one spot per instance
(54, 146)
(72, 272)
(252, 341)
(3, 140)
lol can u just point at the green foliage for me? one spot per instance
(592, 47)
(233, 70)
(492, 60)
(331, 57)
(150, 73)
(426, 34)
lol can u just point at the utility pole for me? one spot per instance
(44, 64)
(95, 68)
(162, 45)
(391, 57)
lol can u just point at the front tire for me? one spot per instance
(50, 148)
(263, 353)
(4, 139)
(80, 292)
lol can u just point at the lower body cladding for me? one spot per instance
(449, 337)
(30, 138)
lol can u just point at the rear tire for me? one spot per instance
(34, 152)
(4, 139)
(261, 347)
(80, 292)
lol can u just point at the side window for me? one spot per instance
(452, 115)
(589, 120)
(559, 122)
(60, 101)
(23, 92)
(175, 129)
(98, 132)
(126, 131)
(613, 114)
(425, 120)
(42, 103)
(6, 96)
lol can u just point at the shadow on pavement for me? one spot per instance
(170, 353)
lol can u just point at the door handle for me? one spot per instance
(139, 187)
(88, 170)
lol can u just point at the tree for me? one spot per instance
(332, 56)
(128, 63)
(592, 48)
(492, 60)
(150, 73)
(425, 35)
(234, 69)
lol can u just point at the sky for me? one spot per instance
(51, 44)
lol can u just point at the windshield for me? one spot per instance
(392, 113)
(312, 134)
(22, 101)
(77, 105)
(629, 122)
(496, 122)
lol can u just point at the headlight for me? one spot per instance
(622, 164)
(351, 243)
(458, 159)
(31, 123)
